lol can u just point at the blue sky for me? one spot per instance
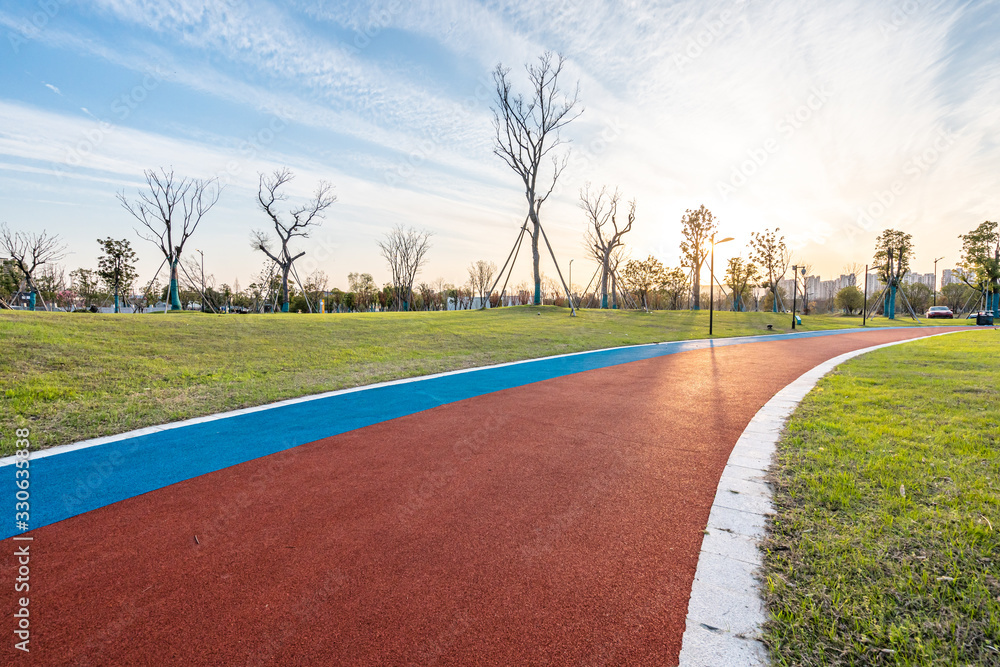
(831, 120)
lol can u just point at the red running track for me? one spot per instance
(555, 523)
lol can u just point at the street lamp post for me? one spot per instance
(202, 278)
(711, 282)
(795, 288)
(935, 278)
(571, 282)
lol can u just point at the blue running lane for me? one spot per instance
(78, 480)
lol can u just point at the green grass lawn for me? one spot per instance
(77, 376)
(885, 547)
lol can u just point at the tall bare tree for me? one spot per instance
(481, 275)
(30, 252)
(697, 228)
(854, 272)
(171, 211)
(405, 249)
(604, 234)
(302, 220)
(769, 252)
(527, 131)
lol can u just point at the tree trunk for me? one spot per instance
(696, 292)
(614, 291)
(284, 288)
(535, 229)
(174, 296)
(605, 270)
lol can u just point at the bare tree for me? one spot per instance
(308, 215)
(604, 235)
(769, 252)
(405, 251)
(697, 228)
(171, 211)
(854, 273)
(481, 275)
(527, 131)
(30, 252)
(440, 296)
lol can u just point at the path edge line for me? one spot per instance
(726, 611)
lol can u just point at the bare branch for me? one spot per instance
(31, 251)
(171, 210)
(405, 250)
(527, 131)
(303, 219)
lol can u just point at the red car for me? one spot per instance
(940, 311)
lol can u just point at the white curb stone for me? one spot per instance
(726, 611)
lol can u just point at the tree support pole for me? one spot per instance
(303, 288)
(572, 307)
(510, 272)
(592, 281)
(908, 306)
(202, 294)
(879, 299)
(513, 251)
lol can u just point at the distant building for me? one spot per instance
(948, 277)
(874, 284)
(922, 278)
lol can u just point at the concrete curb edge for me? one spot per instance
(726, 610)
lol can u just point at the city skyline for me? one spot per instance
(831, 121)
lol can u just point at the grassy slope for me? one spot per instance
(76, 376)
(885, 546)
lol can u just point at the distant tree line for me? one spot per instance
(527, 138)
